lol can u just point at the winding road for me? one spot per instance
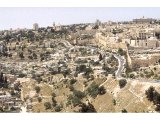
(121, 62)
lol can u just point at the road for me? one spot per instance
(121, 62)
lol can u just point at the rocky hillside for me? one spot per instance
(80, 96)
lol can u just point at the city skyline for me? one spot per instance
(45, 16)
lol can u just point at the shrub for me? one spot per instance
(47, 105)
(120, 51)
(114, 102)
(124, 111)
(157, 108)
(132, 75)
(39, 79)
(87, 108)
(71, 88)
(122, 83)
(72, 81)
(102, 90)
(12, 93)
(37, 88)
(54, 102)
(39, 99)
(57, 108)
(53, 95)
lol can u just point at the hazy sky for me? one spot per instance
(25, 17)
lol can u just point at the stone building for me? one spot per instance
(145, 38)
(109, 42)
(35, 26)
(144, 20)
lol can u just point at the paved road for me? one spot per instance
(121, 62)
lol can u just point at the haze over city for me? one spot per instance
(25, 17)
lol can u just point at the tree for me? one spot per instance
(57, 108)
(93, 90)
(114, 102)
(47, 105)
(150, 93)
(124, 111)
(38, 79)
(132, 75)
(12, 93)
(159, 61)
(17, 86)
(34, 55)
(39, 99)
(100, 57)
(72, 81)
(106, 68)
(78, 94)
(54, 102)
(102, 90)
(81, 68)
(1, 79)
(72, 99)
(71, 88)
(120, 51)
(66, 72)
(87, 108)
(122, 83)
(21, 55)
(37, 88)
(53, 95)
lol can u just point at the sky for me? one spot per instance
(24, 17)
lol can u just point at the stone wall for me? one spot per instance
(109, 42)
(145, 62)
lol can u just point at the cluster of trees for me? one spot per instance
(153, 96)
(87, 108)
(83, 68)
(57, 107)
(149, 74)
(75, 98)
(93, 90)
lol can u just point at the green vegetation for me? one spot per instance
(122, 83)
(57, 108)
(93, 90)
(121, 52)
(47, 105)
(154, 96)
(37, 88)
